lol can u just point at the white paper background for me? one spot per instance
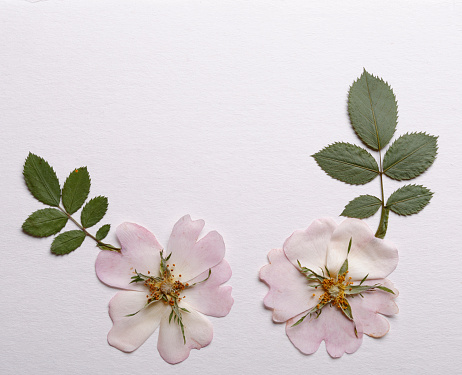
(212, 108)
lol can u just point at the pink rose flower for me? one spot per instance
(311, 291)
(171, 289)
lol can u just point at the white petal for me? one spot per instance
(368, 310)
(191, 258)
(368, 254)
(289, 292)
(130, 332)
(198, 333)
(331, 326)
(210, 297)
(309, 246)
(140, 252)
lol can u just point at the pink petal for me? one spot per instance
(192, 258)
(367, 310)
(209, 297)
(331, 326)
(368, 254)
(140, 251)
(289, 292)
(198, 332)
(129, 332)
(309, 246)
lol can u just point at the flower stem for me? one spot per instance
(100, 244)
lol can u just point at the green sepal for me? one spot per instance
(362, 207)
(409, 156)
(385, 289)
(348, 163)
(383, 225)
(347, 312)
(67, 242)
(343, 270)
(94, 211)
(358, 289)
(45, 222)
(373, 110)
(103, 232)
(41, 180)
(76, 189)
(364, 279)
(409, 199)
(315, 310)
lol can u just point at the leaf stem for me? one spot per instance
(99, 243)
(383, 224)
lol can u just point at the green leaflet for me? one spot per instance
(45, 222)
(67, 242)
(409, 156)
(102, 232)
(93, 211)
(373, 110)
(76, 189)
(348, 163)
(41, 180)
(409, 199)
(362, 207)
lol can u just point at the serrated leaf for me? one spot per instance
(44, 223)
(94, 211)
(67, 242)
(362, 207)
(409, 199)
(348, 163)
(41, 180)
(103, 232)
(76, 189)
(409, 156)
(373, 110)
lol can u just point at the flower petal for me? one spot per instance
(198, 333)
(309, 246)
(192, 258)
(368, 309)
(129, 332)
(140, 251)
(209, 297)
(289, 292)
(368, 254)
(331, 326)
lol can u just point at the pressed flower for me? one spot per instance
(328, 283)
(170, 288)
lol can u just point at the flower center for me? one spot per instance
(164, 288)
(334, 291)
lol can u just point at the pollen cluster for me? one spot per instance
(334, 291)
(167, 289)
